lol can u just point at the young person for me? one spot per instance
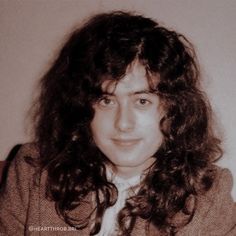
(124, 143)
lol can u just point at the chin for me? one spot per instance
(129, 162)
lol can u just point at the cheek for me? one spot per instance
(149, 127)
(101, 124)
(149, 120)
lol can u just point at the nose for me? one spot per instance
(125, 119)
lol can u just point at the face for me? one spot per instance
(125, 126)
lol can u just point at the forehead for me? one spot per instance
(136, 79)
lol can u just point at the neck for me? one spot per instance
(127, 172)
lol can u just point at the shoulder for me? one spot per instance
(223, 181)
(216, 208)
(28, 149)
(24, 164)
(28, 153)
(15, 192)
(215, 213)
(220, 190)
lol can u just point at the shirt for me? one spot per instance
(125, 190)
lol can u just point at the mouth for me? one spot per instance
(126, 142)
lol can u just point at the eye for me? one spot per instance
(106, 101)
(143, 102)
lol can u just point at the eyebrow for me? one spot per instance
(145, 91)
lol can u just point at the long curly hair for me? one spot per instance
(103, 48)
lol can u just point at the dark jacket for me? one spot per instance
(24, 210)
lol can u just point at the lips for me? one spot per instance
(125, 142)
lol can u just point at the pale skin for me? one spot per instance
(125, 126)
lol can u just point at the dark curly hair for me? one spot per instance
(103, 48)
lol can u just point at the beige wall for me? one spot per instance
(32, 30)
